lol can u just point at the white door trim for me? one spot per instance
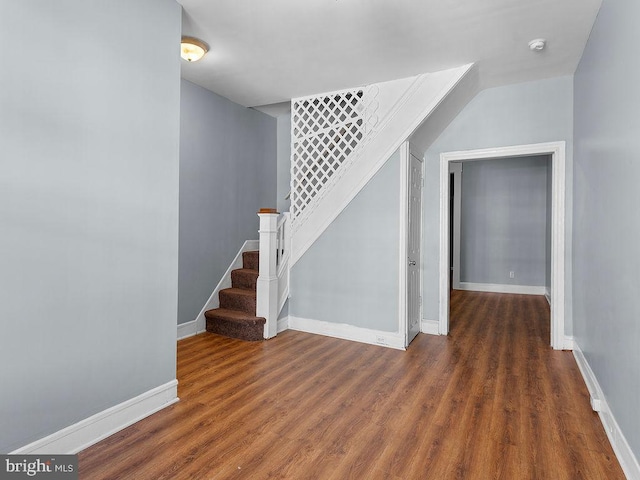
(558, 156)
(456, 169)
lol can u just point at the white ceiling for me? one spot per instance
(269, 51)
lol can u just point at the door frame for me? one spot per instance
(456, 170)
(557, 151)
(406, 149)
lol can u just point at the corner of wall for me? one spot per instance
(621, 448)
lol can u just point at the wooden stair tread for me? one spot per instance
(234, 316)
(252, 271)
(244, 278)
(239, 291)
(251, 259)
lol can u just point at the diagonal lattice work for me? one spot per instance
(327, 132)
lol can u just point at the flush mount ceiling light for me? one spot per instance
(537, 45)
(192, 49)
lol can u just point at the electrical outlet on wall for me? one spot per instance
(512, 274)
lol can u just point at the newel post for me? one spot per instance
(267, 286)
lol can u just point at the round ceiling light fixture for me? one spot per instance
(537, 45)
(192, 49)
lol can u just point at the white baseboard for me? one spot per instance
(627, 459)
(547, 295)
(188, 329)
(81, 435)
(430, 327)
(283, 324)
(497, 288)
(568, 343)
(225, 282)
(347, 332)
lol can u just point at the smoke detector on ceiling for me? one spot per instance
(537, 45)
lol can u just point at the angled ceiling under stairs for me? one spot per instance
(341, 139)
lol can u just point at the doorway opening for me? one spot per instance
(556, 151)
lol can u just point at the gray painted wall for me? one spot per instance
(350, 275)
(227, 173)
(504, 221)
(284, 162)
(88, 209)
(607, 225)
(526, 113)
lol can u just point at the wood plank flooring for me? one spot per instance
(491, 400)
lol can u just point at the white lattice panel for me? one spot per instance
(327, 131)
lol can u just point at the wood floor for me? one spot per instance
(491, 400)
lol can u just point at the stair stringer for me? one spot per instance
(429, 130)
(419, 98)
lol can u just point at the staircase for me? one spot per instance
(236, 317)
(341, 139)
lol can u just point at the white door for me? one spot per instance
(414, 224)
